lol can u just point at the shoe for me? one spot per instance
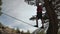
(36, 26)
(42, 27)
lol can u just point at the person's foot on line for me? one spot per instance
(35, 25)
(42, 27)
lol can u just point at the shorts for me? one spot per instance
(39, 15)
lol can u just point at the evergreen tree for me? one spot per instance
(28, 32)
(22, 32)
(18, 31)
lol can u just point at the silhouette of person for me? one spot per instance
(39, 15)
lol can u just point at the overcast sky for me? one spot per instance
(20, 10)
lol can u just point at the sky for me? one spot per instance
(20, 10)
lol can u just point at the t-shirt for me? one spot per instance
(39, 8)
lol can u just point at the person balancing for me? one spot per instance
(39, 15)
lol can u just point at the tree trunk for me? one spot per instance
(53, 21)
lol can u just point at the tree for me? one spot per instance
(18, 31)
(22, 32)
(1, 26)
(28, 32)
(53, 21)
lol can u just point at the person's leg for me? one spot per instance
(37, 17)
(36, 22)
(42, 23)
(42, 20)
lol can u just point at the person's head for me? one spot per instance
(39, 4)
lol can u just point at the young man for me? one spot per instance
(39, 15)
